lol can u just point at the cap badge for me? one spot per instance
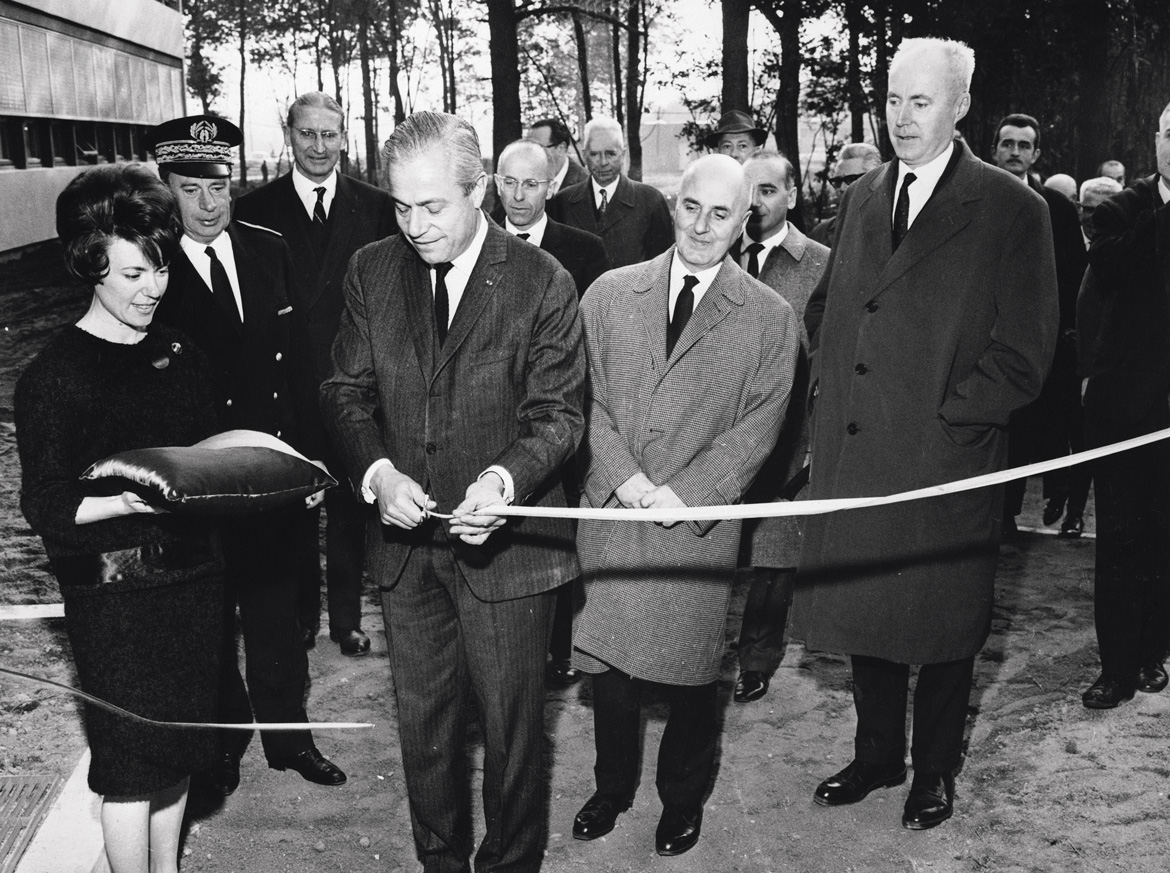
(203, 131)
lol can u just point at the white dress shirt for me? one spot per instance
(307, 190)
(609, 190)
(535, 230)
(925, 181)
(679, 271)
(196, 253)
(1164, 190)
(768, 244)
(456, 281)
(558, 179)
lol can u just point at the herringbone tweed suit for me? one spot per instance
(703, 421)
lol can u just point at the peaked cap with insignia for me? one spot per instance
(198, 146)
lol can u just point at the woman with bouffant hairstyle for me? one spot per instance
(142, 588)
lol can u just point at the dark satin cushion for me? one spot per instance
(218, 476)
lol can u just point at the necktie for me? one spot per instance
(753, 266)
(442, 304)
(683, 307)
(604, 204)
(902, 211)
(319, 209)
(523, 236)
(221, 287)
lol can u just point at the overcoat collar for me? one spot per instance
(622, 204)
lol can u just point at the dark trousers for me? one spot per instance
(1131, 588)
(686, 756)
(259, 558)
(560, 644)
(762, 636)
(880, 689)
(448, 648)
(345, 539)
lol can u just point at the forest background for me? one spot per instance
(1096, 73)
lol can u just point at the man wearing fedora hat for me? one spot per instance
(736, 135)
(229, 292)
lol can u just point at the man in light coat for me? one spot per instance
(684, 410)
(935, 319)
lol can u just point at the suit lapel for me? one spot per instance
(255, 290)
(342, 223)
(419, 303)
(619, 207)
(298, 235)
(653, 299)
(482, 286)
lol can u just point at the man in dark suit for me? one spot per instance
(521, 171)
(553, 136)
(1051, 426)
(322, 238)
(779, 255)
(457, 383)
(229, 292)
(632, 219)
(1125, 395)
(935, 319)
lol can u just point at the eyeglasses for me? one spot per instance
(326, 136)
(838, 181)
(529, 186)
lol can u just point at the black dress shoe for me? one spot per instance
(563, 673)
(598, 816)
(931, 801)
(309, 637)
(1073, 526)
(224, 776)
(1053, 510)
(678, 830)
(1151, 678)
(751, 685)
(1107, 693)
(312, 765)
(857, 780)
(353, 643)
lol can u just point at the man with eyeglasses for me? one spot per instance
(631, 218)
(1050, 426)
(553, 136)
(325, 217)
(854, 161)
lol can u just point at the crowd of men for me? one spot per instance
(585, 345)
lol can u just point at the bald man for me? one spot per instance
(691, 364)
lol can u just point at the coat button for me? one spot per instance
(278, 433)
(871, 307)
(229, 402)
(861, 369)
(431, 448)
(275, 395)
(279, 356)
(852, 429)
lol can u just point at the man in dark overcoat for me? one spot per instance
(779, 255)
(631, 218)
(1125, 395)
(324, 217)
(458, 375)
(230, 291)
(684, 408)
(935, 319)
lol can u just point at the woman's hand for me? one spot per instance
(93, 509)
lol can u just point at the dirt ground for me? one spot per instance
(1047, 785)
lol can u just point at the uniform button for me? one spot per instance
(278, 433)
(871, 307)
(431, 448)
(275, 395)
(279, 356)
(852, 429)
(861, 369)
(229, 402)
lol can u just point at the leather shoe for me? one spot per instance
(1053, 510)
(598, 816)
(1072, 527)
(1151, 678)
(563, 673)
(857, 780)
(678, 830)
(931, 801)
(751, 685)
(1107, 693)
(224, 775)
(312, 765)
(353, 643)
(309, 637)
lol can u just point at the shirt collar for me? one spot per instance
(465, 262)
(771, 242)
(222, 245)
(678, 270)
(1164, 190)
(307, 188)
(609, 189)
(927, 176)
(535, 230)
(559, 176)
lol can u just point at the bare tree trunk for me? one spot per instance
(242, 22)
(633, 74)
(368, 98)
(881, 66)
(854, 19)
(787, 23)
(505, 56)
(618, 114)
(583, 64)
(735, 55)
(395, 41)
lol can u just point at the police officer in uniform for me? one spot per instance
(229, 292)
